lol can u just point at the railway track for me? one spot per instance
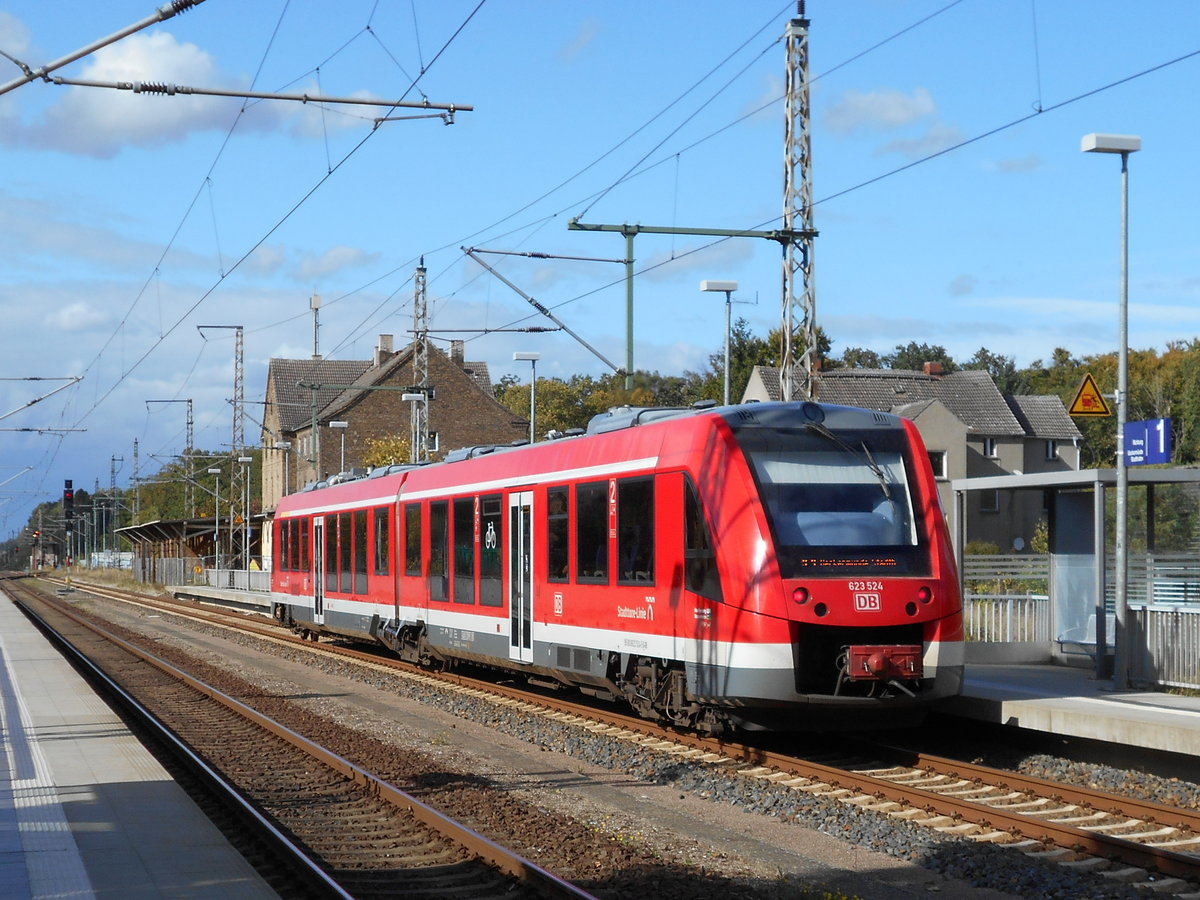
(350, 833)
(1123, 837)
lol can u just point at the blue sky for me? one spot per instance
(130, 220)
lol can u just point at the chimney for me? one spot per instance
(384, 350)
(933, 368)
(457, 352)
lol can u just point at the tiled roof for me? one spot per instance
(971, 396)
(1044, 416)
(294, 402)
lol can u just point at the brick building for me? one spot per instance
(463, 412)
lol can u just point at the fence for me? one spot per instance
(1007, 618)
(1166, 640)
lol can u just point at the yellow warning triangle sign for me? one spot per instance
(1089, 401)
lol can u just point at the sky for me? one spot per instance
(953, 203)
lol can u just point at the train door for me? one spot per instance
(520, 575)
(318, 562)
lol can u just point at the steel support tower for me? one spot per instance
(799, 320)
(418, 452)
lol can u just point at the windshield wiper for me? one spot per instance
(880, 475)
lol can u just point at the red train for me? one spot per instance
(773, 565)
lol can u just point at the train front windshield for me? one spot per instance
(838, 502)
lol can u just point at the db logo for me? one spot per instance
(868, 602)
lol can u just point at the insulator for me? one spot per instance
(153, 87)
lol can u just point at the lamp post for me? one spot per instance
(727, 288)
(415, 449)
(217, 518)
(533, 358)
(341, 426)
(1124, 144)
(285, 446)
(246, 461)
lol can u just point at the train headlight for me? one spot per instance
(800, 595)
(925, 593)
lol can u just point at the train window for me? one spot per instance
(837, 501)
(412, 539)
(558, 554)
(360, 551)
(331, 543)
(382, 541)
(281, 561)
(491, 523)
(591, 532)
(700, 562)
(439, 546)
(302, 531)
(464, 550)
(635, 530)
(289, 552)
(345, 551)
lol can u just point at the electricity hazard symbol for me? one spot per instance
(1089, 401)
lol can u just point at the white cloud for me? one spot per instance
(939, 136)
(336, 259)
(79, 316)
(588, 29)
(14, 36)
(962, 285)
(1018, 166)
(99, 121)
(883, 110)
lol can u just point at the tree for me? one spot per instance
(861, 358)
(388, 451)
(913, 356)
(1002, 369)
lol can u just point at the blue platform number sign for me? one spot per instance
(1148, 443)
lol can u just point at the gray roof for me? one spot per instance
(971, 396)
(294, 402)
(1044, 416)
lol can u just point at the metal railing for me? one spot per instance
(1166, 642)
(238, 579)
(1005, 618)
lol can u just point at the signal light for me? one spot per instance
(924, 593)
(800, 595)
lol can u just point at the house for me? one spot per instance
(970, 430)
(304, 395)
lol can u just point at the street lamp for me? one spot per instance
(726, 287)
(285, 446)
(533, 358)
(246, 461)
(1123, 144)
(341, 426)
(217, 518)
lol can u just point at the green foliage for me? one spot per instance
(913, 356)
(388, 451)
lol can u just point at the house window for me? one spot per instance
(937, 459)
(1051, 449)
(989, 448)
(989, 501)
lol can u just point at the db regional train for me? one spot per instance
(764, 566)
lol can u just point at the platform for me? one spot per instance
(1071, 702)
(85, 810)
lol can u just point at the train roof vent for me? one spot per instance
(380, 471)
(469, 452)
(882, 419)
(620, 417)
